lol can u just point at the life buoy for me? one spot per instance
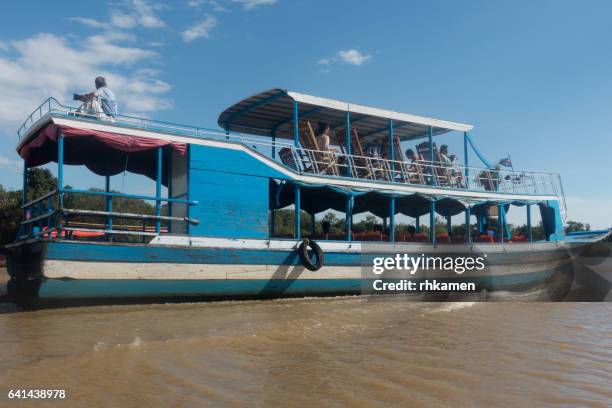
(305, 257)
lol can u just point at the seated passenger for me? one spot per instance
(101, 101)
(456, 175)
(489, 179)
(444, 157)
(373, 150)
(414, 169)
(412, 156)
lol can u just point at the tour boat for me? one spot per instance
(213, 234)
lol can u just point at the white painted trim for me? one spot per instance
(259, 244)
(33, 129)
(56, 269)
(381, 113)
(109, 127)
(60, 269)
(350, 247)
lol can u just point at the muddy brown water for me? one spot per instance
(343, 351)
(301, 352)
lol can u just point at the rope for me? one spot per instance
(480, 156)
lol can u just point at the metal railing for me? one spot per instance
(421, 172)
(47, 216)
(333, 162)
(52, 107)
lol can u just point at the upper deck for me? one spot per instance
(334, 167)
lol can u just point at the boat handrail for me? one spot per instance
(426, 173)
(52, 106)
(47, 213)
(472, 178)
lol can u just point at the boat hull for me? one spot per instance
(213, 268)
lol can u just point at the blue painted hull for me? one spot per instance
(124, 288)
(30, 266)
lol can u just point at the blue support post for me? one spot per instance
(417, 224)
(431, 156)
(296, 142)
(187, 197)
(60, 168)
(529, 229)
(109, 203)
(273, 143)
(169, 189)
(24, 190)
(449, 225)
(432, 223)
(347, 123)
(468, 229)
(500, 223)
(348, 222)
(392, 219)
(158, 188)
(392, 199)
(466, 171)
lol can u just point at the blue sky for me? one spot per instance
(532, 76)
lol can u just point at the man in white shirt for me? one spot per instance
(444, 155)
(103, 97)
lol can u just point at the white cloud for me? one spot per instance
(200, 29)
(251, 4)
(6, 162)
(350, 56)
(137, 13)
(3, 46)
(49, 65)
(353, 57)
(129, 14)
(214, 4)
(123, 20)
(145, 14)
(89, 22)
(217, 6)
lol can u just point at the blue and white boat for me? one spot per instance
(213, 234)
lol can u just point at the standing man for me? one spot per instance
(103, 98)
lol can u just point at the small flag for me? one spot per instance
(506, 162)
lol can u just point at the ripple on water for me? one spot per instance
(337, 351)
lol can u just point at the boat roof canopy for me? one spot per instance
(271, 113)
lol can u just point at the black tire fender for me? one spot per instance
(305, 257)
